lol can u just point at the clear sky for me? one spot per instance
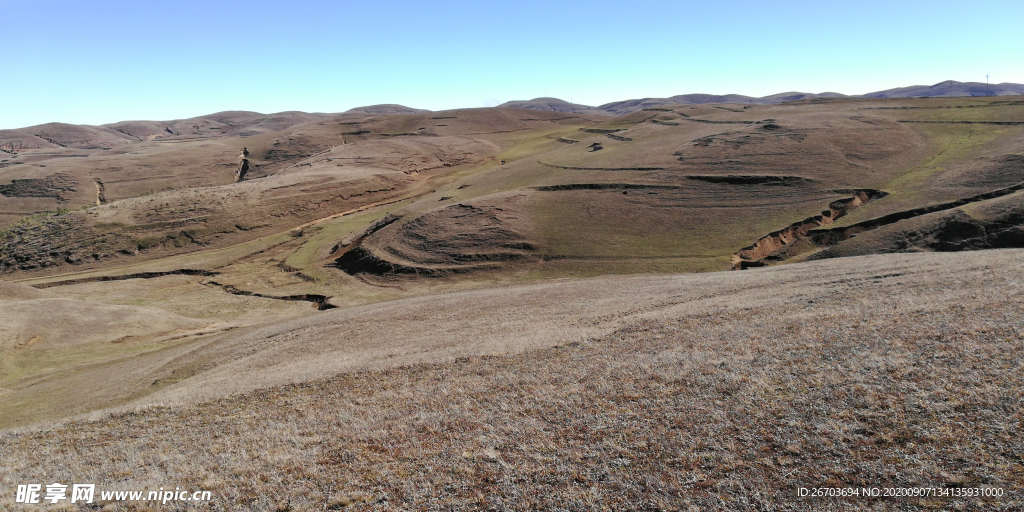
(100, 61)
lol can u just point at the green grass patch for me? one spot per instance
(26, 368)
(331, 232)
(954, 143)
(607, 224)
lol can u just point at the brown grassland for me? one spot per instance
(516, 309)
(886, 371)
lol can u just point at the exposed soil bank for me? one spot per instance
(139, 275)
(754, 254)
(457, 239)
(949, 231)
(727, 179)
(359, 260)
(605, 186)
(353, 241)
(603, 168)
(836, 235)
(952, 234)
(708, 121)
(751, 180)
(1005, 123)
(601, 130)
(320, 302)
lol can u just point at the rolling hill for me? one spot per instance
(949, 88)
(349, 210)
(528, 298)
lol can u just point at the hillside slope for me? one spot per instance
(344, 215)
(720, 391)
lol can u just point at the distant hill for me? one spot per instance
(553, 104)
(627, 106)
(950, 88)
(229, 123)
(61, 135)
(221, 124)
(947, 88)
(245, 124)
(387, 108)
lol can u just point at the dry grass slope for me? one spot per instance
(880, 371)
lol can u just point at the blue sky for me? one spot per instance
(102, 61)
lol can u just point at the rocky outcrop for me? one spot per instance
(243, 166)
